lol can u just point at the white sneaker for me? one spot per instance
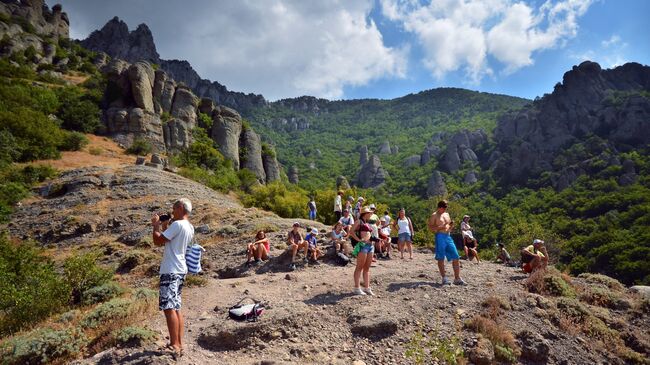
(358, 291)
(445, 281)
(460, 281)
(368, 291)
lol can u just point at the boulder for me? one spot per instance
(384, 149)
(394, 150)
(643, 290)
(470, 178)
(141, 76)
(140, 160)
(482, 353)
(425, 157)
(436, 186)
(451, 161)
(372, 174)
(412, 161)
(534, 347)
(342, 183)
(185, 105)
(293, 175)
(271, 167)
(155, 158)
(226, 131)
(251, 145)
(207, 106)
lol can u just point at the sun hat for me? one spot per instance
(296, 224)
(466, 216)
(361, 198)
(372, 206)
(537, 241)
(366, 210)
(314, 231)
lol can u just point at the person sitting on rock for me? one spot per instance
(295, 243)
(312, 245)
(534, 257)
(339, 236)
(384, 236)
(468, 237)
(347, 221)
(503, 255)
(259, 250)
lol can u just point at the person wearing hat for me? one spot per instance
(338, 205)
(312, 245)
(469, 242)
(534, 257)
(361, 232)
(441, 224)
(348, 203)
(295, 243)
(346, 220)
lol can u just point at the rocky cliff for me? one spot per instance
(117, 41)
(45, 21)
(612, 105)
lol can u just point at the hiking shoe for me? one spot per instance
(257, 262)
(460, 281)
(445, 281)
(292, 267)
(368, 291)
(358, 291)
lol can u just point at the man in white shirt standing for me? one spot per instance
(338, 206)
(173, 268)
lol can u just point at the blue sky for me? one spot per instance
(383, 48)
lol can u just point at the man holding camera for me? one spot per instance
(176, 236)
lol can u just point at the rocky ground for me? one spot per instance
(311, 315)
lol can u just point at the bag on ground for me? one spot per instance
(246, 312)
(342, 259)
(193, 258)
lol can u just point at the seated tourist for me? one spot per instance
(295, 243)
(503, 255)
(534, 257)
(258, 250)
(339, 236)
(346, 220)
(468, 236)
(312, 245)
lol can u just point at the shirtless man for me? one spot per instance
(441, 224)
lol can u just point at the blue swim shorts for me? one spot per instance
(445, 247)
(404, 237)
(367, 248)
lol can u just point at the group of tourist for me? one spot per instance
(369, 235)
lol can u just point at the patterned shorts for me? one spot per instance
(171, 286)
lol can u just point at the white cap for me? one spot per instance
(536, 241)
(372, 206)
(361, 198)
(314, 231)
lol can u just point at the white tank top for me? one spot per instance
(403, 225)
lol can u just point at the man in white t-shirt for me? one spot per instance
(178, 235)
(338, 205)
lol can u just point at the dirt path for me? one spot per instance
(407, 292)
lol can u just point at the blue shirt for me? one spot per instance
(311, 239)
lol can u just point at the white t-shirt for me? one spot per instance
(337, 204)
(347, 221)
(180, 234)
(386, 231)
(387, 219)
(404, 226)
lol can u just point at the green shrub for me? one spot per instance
(140, 147)
(74, 141)
(277, 197)
(69, 316)
(43, 346)
(115, 309)
(30, 289)
(556, 285)
(77, 110)
(603, 297)
(82, 273)
(224, 180)
(134, 336)
(205, 121)
(101, 293)
(145, 294)
(603, 280)
(95, 151)
(15, 183)
(192, 281)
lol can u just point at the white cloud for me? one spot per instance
(463, 34)
(279, 48)
(610, 54)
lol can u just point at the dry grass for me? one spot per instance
(494, 306)
(112, 156)
(76, 78)
(499, 335)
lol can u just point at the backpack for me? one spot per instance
(342, 259)
(311, 206)
(246, 312)
(193, 258)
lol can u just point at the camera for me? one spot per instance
(165, 217)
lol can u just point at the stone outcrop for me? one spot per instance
(117, 41)
(271, 167)
(459, 149)
(585, 103)
(384, 149)
(436, 186)
(470, 178)
(293, 175)
(141, 77)
(342, 183)
(251, 154)
(291, 124)
(363, 155)
(226, 130)
(412, 161)
(372, 174)
(50, 22)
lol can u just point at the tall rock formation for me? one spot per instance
(251, 154)
(459, 149)
(436, 186)
(609, 104)
(117, 41)
(293, 175)
(53, 23)
(271, 166)
(226, 130)
(384, 149)
(372, 174)
(363, 155)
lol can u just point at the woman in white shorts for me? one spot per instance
(404, 229)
